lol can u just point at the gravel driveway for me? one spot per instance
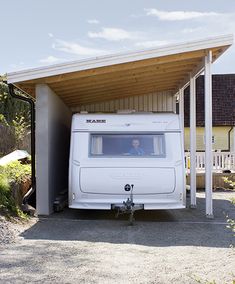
(180, 246)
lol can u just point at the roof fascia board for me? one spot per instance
(120, 58)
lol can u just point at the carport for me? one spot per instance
(147, 80)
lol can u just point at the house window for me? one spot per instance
(212, 139)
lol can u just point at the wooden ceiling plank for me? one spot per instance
(139, 71)
(114, 97)
(147, 80)
(120, 80)
(119, 88)
(121, 67)
(133, 90)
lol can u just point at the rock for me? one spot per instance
(26, 208)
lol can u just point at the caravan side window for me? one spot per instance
(127, 145)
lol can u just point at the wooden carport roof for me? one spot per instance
(127, 74)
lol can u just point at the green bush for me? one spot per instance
(13, 172)
(16, 172)
(7, 203)
(4, 190)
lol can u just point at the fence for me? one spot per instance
(221, 161)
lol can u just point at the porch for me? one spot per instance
(223, 166)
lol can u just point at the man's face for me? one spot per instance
(135, 143)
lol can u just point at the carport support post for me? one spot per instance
(181, 107)
(53, 119)
(208, 135)
(193, 202)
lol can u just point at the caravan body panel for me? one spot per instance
(104, 161)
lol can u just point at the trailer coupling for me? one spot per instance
(128, 207)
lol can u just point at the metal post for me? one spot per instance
(181, 107)
(208, 135)
(181, 113)
(193, 198)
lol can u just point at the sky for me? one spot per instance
(45, 32)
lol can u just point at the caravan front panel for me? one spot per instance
(111, 153)
(113, 180)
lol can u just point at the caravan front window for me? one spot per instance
(127, 145)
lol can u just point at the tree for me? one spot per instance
(11, 107)
(14, 121)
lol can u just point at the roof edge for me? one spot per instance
(108, 60)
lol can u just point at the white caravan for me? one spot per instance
(127, 162)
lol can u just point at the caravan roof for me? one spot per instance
(126, 122)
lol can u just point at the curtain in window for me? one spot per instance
(158, 145)
(97, 145)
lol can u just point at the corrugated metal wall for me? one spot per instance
(164, 101)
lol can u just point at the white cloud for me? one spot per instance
(50, 59)
(93, 21)
(178, 15)
(151, 43)
(113, 34)
(191, 30)
(76, 48)
(50, 35)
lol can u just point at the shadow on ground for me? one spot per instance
(187, 227)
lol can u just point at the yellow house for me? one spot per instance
(223, 109)
(222, 139)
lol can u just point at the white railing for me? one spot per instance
(221, 161)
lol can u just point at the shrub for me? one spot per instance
(12, 173)
(15, 172)
(4, 190)
(7, 203)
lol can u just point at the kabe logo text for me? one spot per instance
(96, 121)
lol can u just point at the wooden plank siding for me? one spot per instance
(156, 102)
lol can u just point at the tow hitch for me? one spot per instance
(128, 206)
